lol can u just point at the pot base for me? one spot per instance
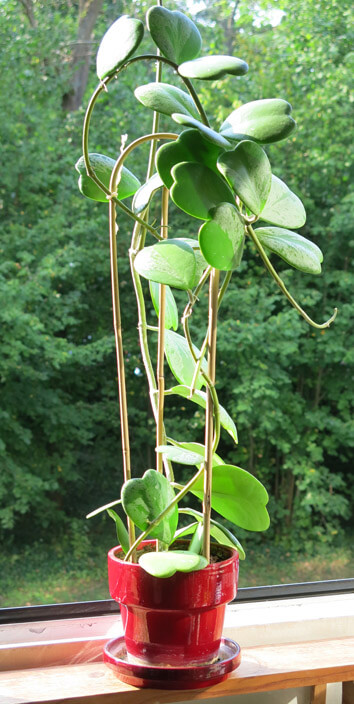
(188, 677)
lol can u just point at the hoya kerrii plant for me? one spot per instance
(220, 175)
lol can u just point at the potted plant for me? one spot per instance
(173, 594)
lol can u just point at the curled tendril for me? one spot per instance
(282, 286)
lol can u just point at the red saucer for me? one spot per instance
(115, 655)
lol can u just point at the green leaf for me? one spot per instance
(180, 360)
(103, 166)
(221, 534)
(264, 121)
(165, 564)
(292, 247)
(144, 499)
(166, 99)
(201, 263)
(210, 67)
(222, 238)
(171, 311)
(190, 146)
(207, 132)
(191, 453)
(174, 33)
(248, 171)
(143, 196)
(120, 41)
(122, 533)
(168, 262)
(199, 397)
(283, 207)
(238, 496)
(197, 189)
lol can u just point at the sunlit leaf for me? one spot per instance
(143, 196)
(264, 121)
(144, 499)
(174, 33)
(296, 250)
(197, 189)
(171, 311)
(191, 453)
(190, 146)
(219, 532)
(103, 166)
(166, 99)
(207, 132)
(222, 238)
(180, 360)
(166, 563)
(283, 207)
(199, 397)
(168, 262)
(248, 171)
(210, 67)
(120, 41)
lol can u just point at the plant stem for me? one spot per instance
(160, 433)
(163, 513)
(208, 464)
(282, 286)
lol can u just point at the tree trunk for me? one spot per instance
(80, 63)
(29, 11)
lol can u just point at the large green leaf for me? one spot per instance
(120, 41)
(292, 247)
(248, 171)
(164, 564)
(264, 121)
(187, 453)
(171, 311)
(143, 196)
(190, 146)
(174, 33)
(197, 189)
(222, 238)
(283, 207)
(207, 132)
(201, 263)
(168, 262)
(180, 360)
(144, 499)
(210, 67)
(199, 397)
(238, 496)
(166, 99)
(219, 532)
(103, 166)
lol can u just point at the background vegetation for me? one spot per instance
(287, 386)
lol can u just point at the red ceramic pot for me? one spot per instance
(176, 620)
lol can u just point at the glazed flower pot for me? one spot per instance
(174, 621)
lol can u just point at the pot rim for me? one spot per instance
(211, 566)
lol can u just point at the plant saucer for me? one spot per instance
(162, 677)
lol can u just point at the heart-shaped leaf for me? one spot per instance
(174, 33)
(201, 264)
(165, 564)
(122, 533)
(199, 397)
(166, 99)
(207, 132)
(264, 121)
(171, 311)
(190, 146)
(248, 171)
(103, 166)
(168, 262)
(238, 496)
(180, 360)
(222, 238)
(143, 196)
(143, 501)
(219, 532)
(120, 41)
(197, 189)
(187, 453)
(283, 207)
(210, 67)
(292, 247)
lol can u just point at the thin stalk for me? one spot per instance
(282, 286)
(164, 513)
(117, 324)
(160, 433)
(208, 464)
